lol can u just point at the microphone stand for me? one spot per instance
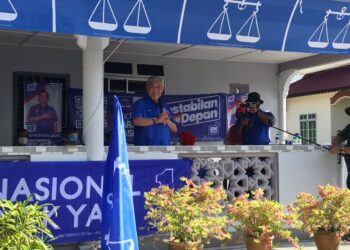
(304, 139)
(317, 144)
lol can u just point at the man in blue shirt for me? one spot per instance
(254, 124)
(152, 119)
(42, 115)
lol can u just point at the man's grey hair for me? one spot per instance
(154, 79)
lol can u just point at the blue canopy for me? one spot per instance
(284, 25)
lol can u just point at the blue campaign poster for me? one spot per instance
(202, 115)
(42, 107)
(75, 111)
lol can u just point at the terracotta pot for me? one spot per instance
(183, 246)
(327, 240)
(252, 245)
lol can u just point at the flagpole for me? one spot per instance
(54, 16)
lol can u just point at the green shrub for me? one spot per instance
(22, 226)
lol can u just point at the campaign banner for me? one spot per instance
(75, 109)
(42, 107)
(75, 191)
(232, 103)
(127, 102)
(75, 112)
(202, 115)
(292, 25)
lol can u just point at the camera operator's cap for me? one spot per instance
(347, 111)
(254, 97)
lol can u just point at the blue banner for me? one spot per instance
(75, 189)
(75, 108)
(127, 102)
(75, 112)
(202, 115)
(290, 25)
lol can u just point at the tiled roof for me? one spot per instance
(321, 82)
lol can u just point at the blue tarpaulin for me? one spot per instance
(75, 189)
(290, 25)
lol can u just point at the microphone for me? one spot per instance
(160, 104)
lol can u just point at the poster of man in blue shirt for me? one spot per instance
(152, 118)
(42, 115)
(254, 124)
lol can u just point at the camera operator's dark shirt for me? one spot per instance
(257, 132)
(345, 134)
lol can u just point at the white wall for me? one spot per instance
(19, 58)
(319, 104)
(304, 172)
(183, 76)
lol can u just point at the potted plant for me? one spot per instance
(261, 220)
(189, 215)
(22, 226)
(326, 217)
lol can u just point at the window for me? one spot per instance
(118, 68)
(137, 86)
(150, 70)
(129, 78)
(308, 127)
(118, 85)
(125, 85)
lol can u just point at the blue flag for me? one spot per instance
(118, 217)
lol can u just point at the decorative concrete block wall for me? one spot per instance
(239, 173)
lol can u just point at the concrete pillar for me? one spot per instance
(286, 78)
(93, 72)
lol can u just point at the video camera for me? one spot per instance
(251, 105)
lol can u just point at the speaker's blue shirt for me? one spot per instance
(257, 132)
(155, 134)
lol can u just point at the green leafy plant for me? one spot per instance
(22, 226)
(329, 212)
(262, 219)
(190, 214)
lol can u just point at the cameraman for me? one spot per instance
(254, 124)
(338, 147)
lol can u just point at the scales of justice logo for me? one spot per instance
(7, 11)
(103, 17)
(249, 31)
(320, 37)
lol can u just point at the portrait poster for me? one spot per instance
(42, 107)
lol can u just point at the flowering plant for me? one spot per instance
(262, 219)
(189, 214)
(329, 212)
